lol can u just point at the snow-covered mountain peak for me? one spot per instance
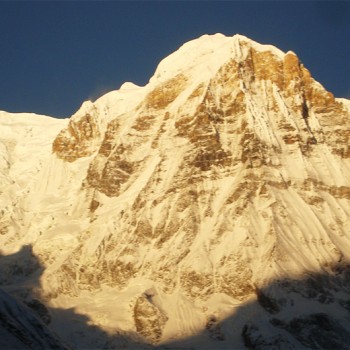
(219, 190)
(209, 71)
(207, 54)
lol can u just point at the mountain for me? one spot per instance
(208, 209)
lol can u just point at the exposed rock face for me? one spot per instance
(149, 320)
(229, 170)
(78, 139)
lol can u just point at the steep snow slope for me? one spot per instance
(215, 195)
(25, 145)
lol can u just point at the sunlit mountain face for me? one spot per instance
(209, 209)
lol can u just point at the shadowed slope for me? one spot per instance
(311, 312)
(27, 322)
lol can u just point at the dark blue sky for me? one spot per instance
(55, 55)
